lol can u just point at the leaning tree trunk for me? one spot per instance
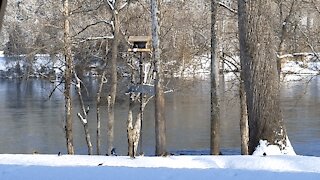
(259, 68)
(160, 122)
(83, 116)
(68, 79)
(113, 90)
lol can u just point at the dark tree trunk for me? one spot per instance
(68, 79)
(160, 122)
(259, 68)
(215, 107)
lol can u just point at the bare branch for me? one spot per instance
(228, 8)
(315, 6)
(123, 6)
(111, 4)
(78, 11)
(96, 38)
(83, 120)
(55, 88)
(308, 42)
(94, 24)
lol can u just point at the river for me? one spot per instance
(30, 121)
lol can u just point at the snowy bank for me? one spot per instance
(171, 167)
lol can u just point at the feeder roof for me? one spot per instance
(139, 38)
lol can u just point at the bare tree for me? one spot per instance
(114, 7)
(68, 78)
(160, 121)
(259, 72)
(83, 116)
(215, 108)
(98, 101)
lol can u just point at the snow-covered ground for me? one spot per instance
(44, 167)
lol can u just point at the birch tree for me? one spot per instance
(259, 70)
(68, 79)
(83, 116)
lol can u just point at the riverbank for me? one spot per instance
(158, 168)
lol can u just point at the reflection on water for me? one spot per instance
(300, 102)
(30, 122)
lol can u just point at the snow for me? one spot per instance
(265, 148)
(293, 67)
(79, 167)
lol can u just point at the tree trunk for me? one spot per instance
(142, 99)
(113, 90)
(133, 132)
(2, 10)
(244, 126)
(215, 108)
(160, 122)
(260, 75)
(98, 101)
(68, 79)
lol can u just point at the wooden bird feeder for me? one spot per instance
(140, 43)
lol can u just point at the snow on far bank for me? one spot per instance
(158, 168)
(298, 67)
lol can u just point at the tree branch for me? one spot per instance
(94, 24)
(111, 4)
(78, 11)
(308, 43)
(315, 6)
(96, 38)
(228, 8)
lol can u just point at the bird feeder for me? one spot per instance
(140, 43)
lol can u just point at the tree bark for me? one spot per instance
(215, 107)
(160, 122)
(259, 69)
(244, 126)
(2, 11)
(133, 131)
(142, 99)
(68, 79)
(98, 101)
(113, 89)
